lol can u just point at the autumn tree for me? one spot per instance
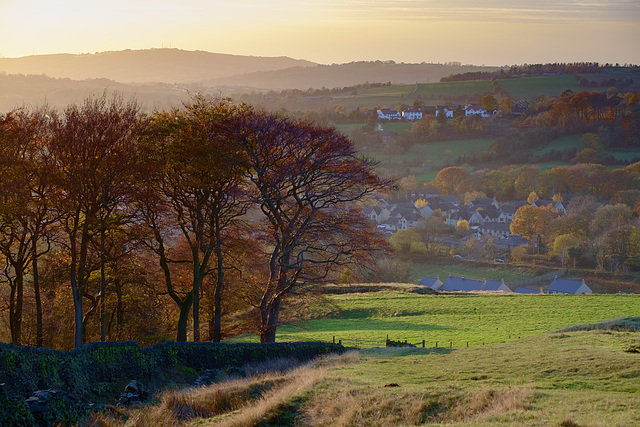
(564, 243)
(25, 212)
(305, 176)
(448, 179)
(431, 230)
(530, 221)
(93, 148)
(199, 179)
(462, 227)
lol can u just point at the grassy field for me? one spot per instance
(429, 93)
(566, 379)
(530, 87)
(434, 153)
(456, 319)
(448, 89)
(385, 96)
(564, 143)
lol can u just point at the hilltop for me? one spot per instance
(149, 65)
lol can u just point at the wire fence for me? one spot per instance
(390, 342)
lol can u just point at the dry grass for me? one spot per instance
(489, 403)
(239, 402)
(356, 406)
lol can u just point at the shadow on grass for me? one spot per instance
(360, 324)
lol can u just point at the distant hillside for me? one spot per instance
(34, 90)
(142, 66)
(342, 75)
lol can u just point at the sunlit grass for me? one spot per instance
(453, 320)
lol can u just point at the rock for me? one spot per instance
(209, 376)
(133, 393)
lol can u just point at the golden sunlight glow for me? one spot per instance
(497, 32)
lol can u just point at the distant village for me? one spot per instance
(413, 114)
(486, 217)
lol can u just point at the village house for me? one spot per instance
(475, 110)
(566, 286)
(457, 284)
(422, 193)
(412, 114)
(431, 282)
(448, 112)
(559, 206)
(495, 286)
(509, 211)
(388, 114)
(498, 230)
(511, 242)
(473, 217)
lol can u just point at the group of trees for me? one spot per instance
(517, 182)
(608, 236)
(121, 213)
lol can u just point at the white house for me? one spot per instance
(412, 114)
(387, 114)
(475, 110)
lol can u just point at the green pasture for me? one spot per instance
(435, 153)
(530, 87)
(454, 320)
(348, 128)
(450, 89)
(564, 143)
(396, 126)
(624, 155)
(566, 379)
(385, 96)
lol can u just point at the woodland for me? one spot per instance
(128, 226)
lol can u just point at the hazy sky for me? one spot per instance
(491, 32)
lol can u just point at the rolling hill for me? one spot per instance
(150, 65)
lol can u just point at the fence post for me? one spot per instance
(422, 343)
(334, 339)
(450, 344)
(339, 342)
(467, 344)
(436, 344)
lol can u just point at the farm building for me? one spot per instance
(565, 286)
(431, 282)
(453, 284)
(495, 286)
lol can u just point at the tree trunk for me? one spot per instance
(77, 312)
(217, 297)
(197, 282)
(15, 307)
(269, 320)
(103, 285)
(119, 309)
(36, 290)
(185, 307)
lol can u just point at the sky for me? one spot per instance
(489, 32)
